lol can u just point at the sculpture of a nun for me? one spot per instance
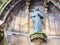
(38, 37)
(37, 17)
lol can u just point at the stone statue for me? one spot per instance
(36, 18)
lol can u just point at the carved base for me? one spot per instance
(38, 38)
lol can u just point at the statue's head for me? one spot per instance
(36, 8)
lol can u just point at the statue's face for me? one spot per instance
(36, 8)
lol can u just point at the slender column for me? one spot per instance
(27, 13)
(47, 25)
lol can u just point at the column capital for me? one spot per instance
(27, 3)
